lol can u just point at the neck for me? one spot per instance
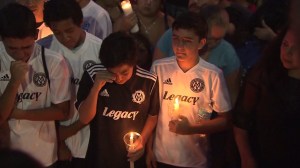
(83, 3)
(186, 65)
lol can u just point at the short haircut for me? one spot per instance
(17, 21)
(192, 21)
(58, 10)
(117, 49)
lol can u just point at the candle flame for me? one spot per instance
(131, 138)
(176, 105)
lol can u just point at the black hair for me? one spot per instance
(192, 21)
(118, 48)
(17, 159)
(17, 21)
(58, 10)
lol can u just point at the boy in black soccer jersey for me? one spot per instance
(117, 97)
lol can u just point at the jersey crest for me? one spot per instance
(197, 85)
(138, 97)
(39, 79)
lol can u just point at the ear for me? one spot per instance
(202, 43)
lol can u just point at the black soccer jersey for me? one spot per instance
(120, 109)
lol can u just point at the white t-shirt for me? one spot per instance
(202, 87)
(96, 20)
(79, 59)
(38, 138)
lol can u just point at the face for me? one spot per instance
(148, 7)
(36, 6)
(216, 34)
(67, 33)
(19, 49)
(289, 52)
(123, 73)
(195, 5)
(186, 44)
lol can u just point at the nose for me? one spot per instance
(118, 78)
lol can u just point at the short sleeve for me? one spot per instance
(85, 85)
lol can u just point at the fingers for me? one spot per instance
(18, 70)
(173, 125)
(105, 76)
(136, 154)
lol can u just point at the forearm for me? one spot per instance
(233, 84)
(7, 101)
(242, 141)
(70, 130)
(54, 112)
(148, 128)
(220, 123)
(87, 109)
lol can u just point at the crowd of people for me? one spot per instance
(204, 83)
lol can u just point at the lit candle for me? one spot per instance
(131, 146)
(176, 105)
(127, 9)
(131, 139)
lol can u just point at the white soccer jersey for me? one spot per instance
(202, 87)
(96, 20)
(80, 59)
(44, 31)
(38, 138)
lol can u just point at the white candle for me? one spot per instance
(127, 9)
(131, 146)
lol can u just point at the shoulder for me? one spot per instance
(164, 61)
(94, 69)
(226, 46)
(209, 67)
(145, 74)
(46, 41)
(93, 39)
(96, 10)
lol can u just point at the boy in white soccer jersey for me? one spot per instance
(199, 88)
(96, 19)
(81, 49)
(30, 98)
(117, 97)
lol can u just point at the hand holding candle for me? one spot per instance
(127, 9)
(133, 142)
